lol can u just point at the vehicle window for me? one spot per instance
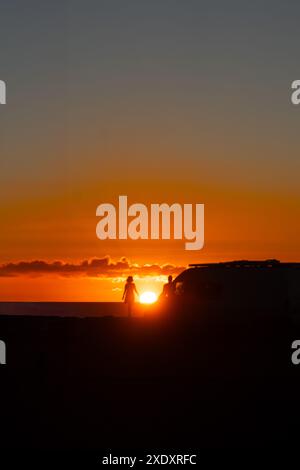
(179, 288)
(210, 290)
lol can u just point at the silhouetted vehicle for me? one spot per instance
(243, 289)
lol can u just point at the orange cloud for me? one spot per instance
(95, 267)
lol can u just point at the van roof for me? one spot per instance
(269, 263)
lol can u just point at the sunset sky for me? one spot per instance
(161, 100)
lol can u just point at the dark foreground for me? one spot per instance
(146, 383)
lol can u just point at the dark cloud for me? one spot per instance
(95, 267)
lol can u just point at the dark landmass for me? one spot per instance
(67, 309)
(149, 382)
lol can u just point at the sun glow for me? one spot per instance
(148, 298)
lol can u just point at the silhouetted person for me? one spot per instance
(168, 289)
(128, 294)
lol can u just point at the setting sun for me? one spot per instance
(148, 298)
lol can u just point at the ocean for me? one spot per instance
(67, 309)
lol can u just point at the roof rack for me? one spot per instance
(270, 263)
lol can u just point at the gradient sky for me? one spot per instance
(164, 101)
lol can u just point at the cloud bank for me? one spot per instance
(96, 267)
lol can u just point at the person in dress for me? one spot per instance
(129, 294)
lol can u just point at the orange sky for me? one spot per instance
(182, 104)
(239, 224)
